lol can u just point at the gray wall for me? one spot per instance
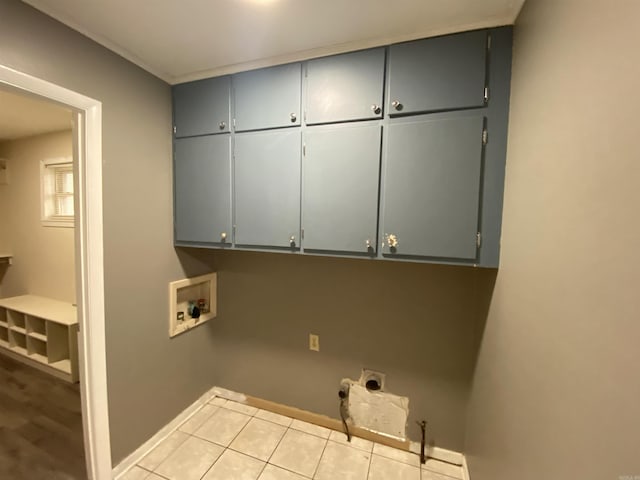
(417, 323)
(151, 378)
(556, 393)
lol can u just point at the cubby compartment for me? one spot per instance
(58, 351)
(37, 349)
(18, 342)
(41, 332)
(16, 321)
(37, 328)
(199, 292)
(4, 336)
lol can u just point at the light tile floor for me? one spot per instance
(225, 440)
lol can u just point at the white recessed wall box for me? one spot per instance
(192, 301)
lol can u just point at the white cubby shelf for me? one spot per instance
(41, 332)
(181, 292)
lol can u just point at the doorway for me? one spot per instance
(86, 114)
(41, 407)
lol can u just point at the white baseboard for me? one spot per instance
(229, 394)
(163, 433)
(465, 469)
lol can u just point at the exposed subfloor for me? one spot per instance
(40, 425)
(226, 440)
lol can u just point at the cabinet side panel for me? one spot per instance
(496, 149)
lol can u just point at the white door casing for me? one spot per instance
(87, 148)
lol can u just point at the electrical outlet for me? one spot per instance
(314, 342)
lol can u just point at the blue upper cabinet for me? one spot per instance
(403, 155)
(432, 175)
(202, 176)
(435, 74)
(268, 98)
(202, 107)
(345, 87)
(267, 188)
(340, 188)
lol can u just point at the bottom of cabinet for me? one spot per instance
(383, 257)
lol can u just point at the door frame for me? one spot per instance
(87, 149)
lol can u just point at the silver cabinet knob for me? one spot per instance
(376, 109)
(397, 105)
(369, 245)
(222, 125)
(293, 117)
(392, 241)
(223, 237)
(292, 240)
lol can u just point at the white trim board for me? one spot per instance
(87, 146)
(465, 469)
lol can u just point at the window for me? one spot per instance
(56, 178)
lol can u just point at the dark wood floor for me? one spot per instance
(40, 425)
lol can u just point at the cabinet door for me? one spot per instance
(443, 73)
(267, 188)
(202, 107)
(268, 98)
(432, 187)
(340, 194)
(345, 87)
(203, 189)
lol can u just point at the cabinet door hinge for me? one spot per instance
(478, 239)
(304, 149)
(302, 234)
(486, 94)
(485, 136)
(489, 41)
(234, 124)
(174, 129)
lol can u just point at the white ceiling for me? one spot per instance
(25, 116)
(191, 39)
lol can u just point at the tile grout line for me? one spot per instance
(165, 458)
(225, 448)
(370, 461)
(262, 471)
(284, 468)
(228, 447)
(288, 428)
(236, 435)
(326, 442)
(157, 474)
(274, 450)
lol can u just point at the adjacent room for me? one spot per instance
(41, 408)
(320, 240)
